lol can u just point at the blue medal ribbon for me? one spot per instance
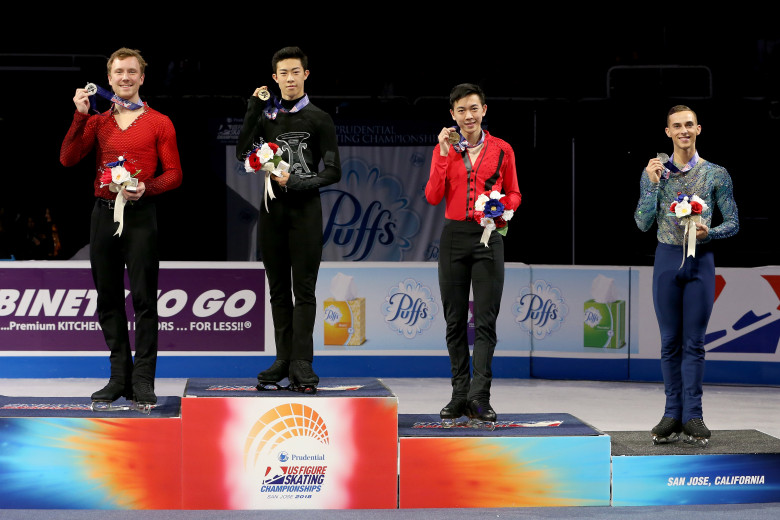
(274, 106)
(670, 167)
(93, 89)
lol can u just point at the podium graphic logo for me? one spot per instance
(409, 308)
(540, 309)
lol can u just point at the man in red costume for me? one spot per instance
(475, 173)
(129, 140)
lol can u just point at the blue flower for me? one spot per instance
(494, 208)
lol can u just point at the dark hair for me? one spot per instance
(680, 108)
(289, 53)
(465, 90)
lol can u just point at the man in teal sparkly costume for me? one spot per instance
(683, 294)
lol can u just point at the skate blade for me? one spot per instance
(304, 389)
(481, 425)
(145, 408)
(103, 406)
(270, 387)
(666, 440)
(701, 443)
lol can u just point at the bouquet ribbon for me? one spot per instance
(119, 213)
(486, 235)
(268, 191)
(93, 89)
(689, 237)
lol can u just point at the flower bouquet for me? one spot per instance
(266, 158)
(119, 174)
(688, 208)
(491, 214)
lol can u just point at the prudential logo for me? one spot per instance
(367, 217)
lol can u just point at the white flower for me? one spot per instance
(682, 209)
(265, 153)
(508, 214)
(496, 195)
(488, 223)
(696, 198)
(246, 165)
(479, 205)
(119, 175)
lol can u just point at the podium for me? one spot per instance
(528, 460)
(737, 467)
(244, 449)
(56, 453)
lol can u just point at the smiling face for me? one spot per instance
(126, 78)
(468, 113)
(683, 128)
(290, 75)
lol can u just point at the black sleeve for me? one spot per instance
(251, 127)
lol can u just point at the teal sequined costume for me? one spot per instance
(709, 181)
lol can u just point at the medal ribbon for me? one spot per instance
(670, 167)
(93, 89)
(274, 106)
(463, 145)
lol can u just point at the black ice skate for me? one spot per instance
(453, 411)
(269, 378)
(696, 432)
(302, 377)
(143, 397)
(103, 399)
(667, 430)
(481, 414)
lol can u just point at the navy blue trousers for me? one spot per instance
(683, 300)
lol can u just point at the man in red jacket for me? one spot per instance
(129, 139)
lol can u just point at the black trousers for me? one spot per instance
(464, 263)
(136, 248)
(290, 239)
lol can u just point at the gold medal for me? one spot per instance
(264, 94)
(454, 137)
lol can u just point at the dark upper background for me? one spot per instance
(581, 100)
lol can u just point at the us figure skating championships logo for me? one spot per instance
(409, 308)
(540, 309)
(287, 448)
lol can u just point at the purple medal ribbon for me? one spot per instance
(275, 106)
(93, 89)
(463, 145)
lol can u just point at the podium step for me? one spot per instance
(737, 466)
(528, 460)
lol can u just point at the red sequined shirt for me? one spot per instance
(455, 178)
(150, 139)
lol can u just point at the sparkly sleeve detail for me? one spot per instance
(647, 208)
(168, 154)
(79, 140)
(723, 194)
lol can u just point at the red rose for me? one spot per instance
(500, 222)
(673, 205)
(695, 207)
(274, 147)
(478, 216)
(254, 162)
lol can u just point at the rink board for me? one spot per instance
(736, 467)
(337, 449)
(528, 461)
(55, 453)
